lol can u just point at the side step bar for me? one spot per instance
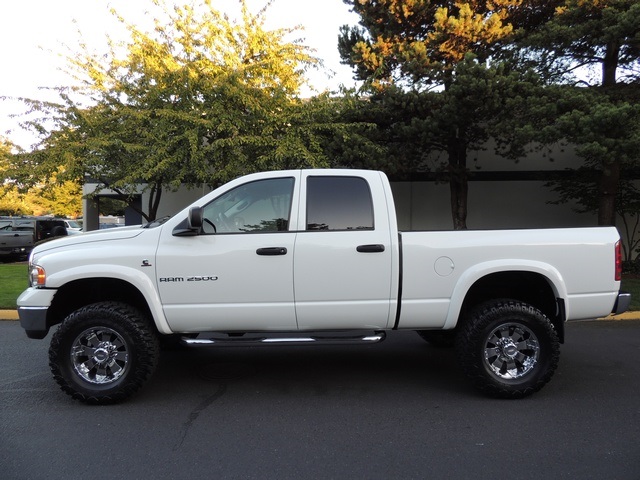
(252, 339)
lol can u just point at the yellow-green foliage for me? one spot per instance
(199, 98)
(422, 39)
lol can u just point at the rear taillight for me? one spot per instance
(618, 261)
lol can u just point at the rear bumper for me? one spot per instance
(622, 303)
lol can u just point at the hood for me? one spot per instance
(119, 233)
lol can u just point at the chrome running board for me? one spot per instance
(253, 339)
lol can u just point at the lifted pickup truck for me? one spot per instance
(311, 256)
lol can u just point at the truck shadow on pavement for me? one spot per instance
(405, 364)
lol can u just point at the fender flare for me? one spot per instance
(132, 276)
(481, 270)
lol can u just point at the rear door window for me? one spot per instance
(339, 203)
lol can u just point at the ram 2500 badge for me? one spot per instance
(308, 256)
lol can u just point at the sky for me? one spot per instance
(35, 33)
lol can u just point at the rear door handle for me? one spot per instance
(375, 248)
(271, 251)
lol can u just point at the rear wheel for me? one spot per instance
(103, 353)
(508, 349)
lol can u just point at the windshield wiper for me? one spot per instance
(157, 222)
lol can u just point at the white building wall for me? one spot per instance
(426, 205)
(498, 204)
(491, 205)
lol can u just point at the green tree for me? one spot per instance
(199, 99)
(442, 45)
(5, 156)
(63, 199)
(595, 44)
(48, 197)
(9, 201)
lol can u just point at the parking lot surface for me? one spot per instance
(399, 409)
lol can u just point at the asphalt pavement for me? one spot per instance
(398, 409)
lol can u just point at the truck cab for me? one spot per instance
(321, 234)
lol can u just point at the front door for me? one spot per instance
(238, 274)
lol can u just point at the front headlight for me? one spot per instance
(37, 276)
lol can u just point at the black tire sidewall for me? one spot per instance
(476, 331)
(130, 325)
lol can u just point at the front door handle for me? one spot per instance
(271, 251)
(376, 248)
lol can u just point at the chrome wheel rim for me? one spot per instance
(99, 355)
(511, 351)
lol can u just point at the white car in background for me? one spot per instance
(73, 226)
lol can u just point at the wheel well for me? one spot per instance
(527, 287)
(79, 293)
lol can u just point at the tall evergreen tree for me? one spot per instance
(426, 45)
(594, 44)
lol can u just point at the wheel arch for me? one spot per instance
(78, 293)
(530, 286)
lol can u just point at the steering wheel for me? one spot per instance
(224, 221)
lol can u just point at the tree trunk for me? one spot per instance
(610, 64)
(458, 179)
(155, 194)
(608, 189)
(610, 179)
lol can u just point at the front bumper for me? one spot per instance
(622, 303)
(34, 321)
(33, 307)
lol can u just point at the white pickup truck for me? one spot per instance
(312, 256)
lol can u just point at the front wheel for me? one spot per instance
(508, 349)
(103, 353)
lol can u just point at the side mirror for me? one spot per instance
(195, 218)
(192, 225)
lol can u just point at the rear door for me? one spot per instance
(343, 256)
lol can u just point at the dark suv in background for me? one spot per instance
(18, 235)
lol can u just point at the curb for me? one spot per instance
(13, 315)
(635, 315)
(8, 315)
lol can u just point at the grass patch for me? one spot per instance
(632, 285)
(14, 281)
